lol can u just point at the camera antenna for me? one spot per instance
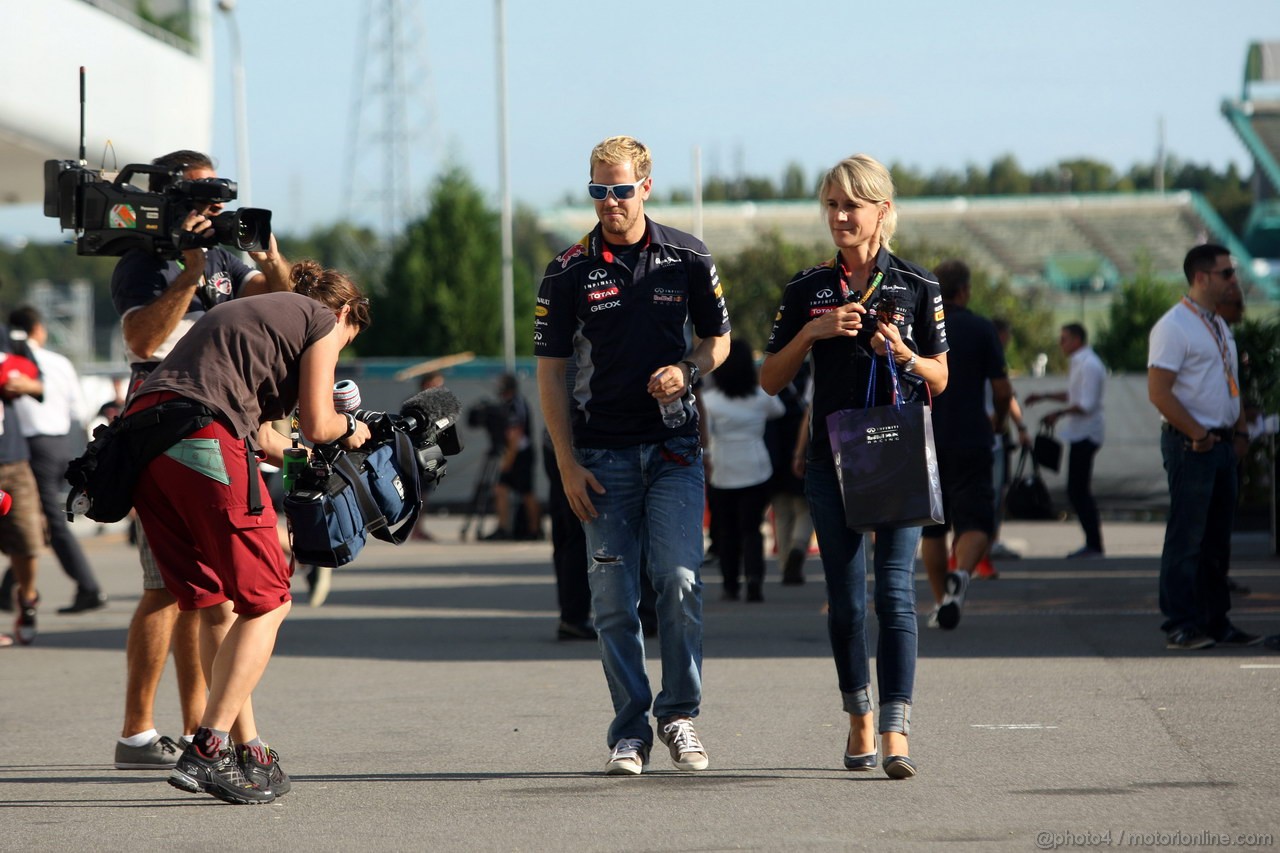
(82, 155)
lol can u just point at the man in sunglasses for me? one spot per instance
(638, 307)
(1193, 379)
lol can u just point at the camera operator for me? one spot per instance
(515, 475)
(204, 505)
(158, 301)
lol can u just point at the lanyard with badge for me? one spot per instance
(1211, 323)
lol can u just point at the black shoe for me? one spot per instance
(1188, 640)
(1233, 636)
(1235, 588)
(793, 568)
(220, 776)
(755, 592)
(268, 777)
(85, 601)
(730, 593)
(6, 592)
(899, 767)
(1272, 643)
(498, 535)
(575, 631)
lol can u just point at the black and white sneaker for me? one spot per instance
(220, 775)
(956, 585)
(268, 775)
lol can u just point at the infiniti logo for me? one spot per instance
(825, 293)
(597, 274)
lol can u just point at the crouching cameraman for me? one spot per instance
(241, 367)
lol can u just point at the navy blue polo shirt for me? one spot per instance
(620, 324)
(842, 366)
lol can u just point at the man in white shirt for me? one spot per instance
(1080, 424)
(47, 426)
(1193, 380)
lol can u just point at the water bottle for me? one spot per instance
(674, 413)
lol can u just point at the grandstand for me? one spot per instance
(1255, 117)
(1067, 242)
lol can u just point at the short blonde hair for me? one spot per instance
(864, 177)
(617, 150)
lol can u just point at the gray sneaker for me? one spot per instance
(161, 754)
(687, 752)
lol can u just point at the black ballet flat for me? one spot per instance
(899, 767)
(866, 761)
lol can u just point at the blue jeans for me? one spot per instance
(648, 519)
(845, 567)
(1202, 500)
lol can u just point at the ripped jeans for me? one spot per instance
(648, 519)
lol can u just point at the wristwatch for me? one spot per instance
(909, 364)
(693, 372)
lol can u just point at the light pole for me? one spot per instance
(241, 107)
(508, 284)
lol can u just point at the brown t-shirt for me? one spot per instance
(243, 358)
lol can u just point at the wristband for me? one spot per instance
(351, 426)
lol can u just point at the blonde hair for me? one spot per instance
(618, 150)
(864, 177)
(331, 288)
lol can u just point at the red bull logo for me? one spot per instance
(571, 253)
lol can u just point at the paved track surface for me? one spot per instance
(427, 706)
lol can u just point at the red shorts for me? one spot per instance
(209, 548)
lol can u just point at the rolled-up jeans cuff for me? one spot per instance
(858, 702)
(895, 717)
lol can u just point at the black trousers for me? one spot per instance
(736, 514)
(1080, 491)
(568, 548)
(49, 457)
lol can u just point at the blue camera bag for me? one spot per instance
(331, 518)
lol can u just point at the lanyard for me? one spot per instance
(863, 298)
(1211, 323)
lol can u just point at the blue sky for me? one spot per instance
(756, 85)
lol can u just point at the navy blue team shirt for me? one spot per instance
(842, 367)
(620, 324)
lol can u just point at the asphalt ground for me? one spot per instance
(428, 706)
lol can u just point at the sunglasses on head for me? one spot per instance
(600, 192)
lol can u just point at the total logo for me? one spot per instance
(604, 293)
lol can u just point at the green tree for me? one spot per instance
(754, 279)
(1139, 302)
(443, 288)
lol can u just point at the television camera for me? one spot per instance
(112, 217)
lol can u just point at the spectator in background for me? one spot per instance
(1003, 450)
(430, 379)
(22, 534)
(738, 468)
(46, 423)
(1082, 428)
(824, 316)
(1231, 310)
(1193, 381)
(568, 543)
(787, 438)
(515, 477)
(964, 434)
